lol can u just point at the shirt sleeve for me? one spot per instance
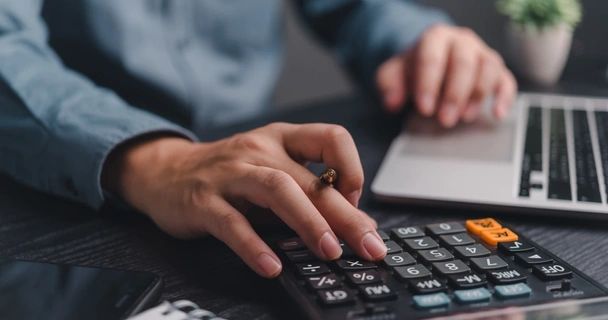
(56, 126)
(365, 33)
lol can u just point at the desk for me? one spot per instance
(37, 227)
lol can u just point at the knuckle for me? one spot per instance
(225, 222)
(278, 126)
(495, 57)
(437, 29)
(464, 61)
(356, 224)
(335, 133)
(467, 33)
(249, 141)
(275, 181)
(429, 59)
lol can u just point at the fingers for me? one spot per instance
(277, 190)
(231, 227)
(431, 63)
(351, 224)
(505, 93)
(487, 79)
(334, 146)
(392, 83)
(462, 70)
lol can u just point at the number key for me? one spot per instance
(435, 255)
(401, 259)
(459, 239)
(383, 235)
(412, 272)
(445, 228)
(488, 263)
(406, 233)
(451, 267)
(420, 244)
(476, 250)
(392, 247)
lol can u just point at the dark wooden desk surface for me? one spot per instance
(41, 228)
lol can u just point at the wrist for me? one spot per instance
(137, 163)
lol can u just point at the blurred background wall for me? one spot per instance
(310, 73)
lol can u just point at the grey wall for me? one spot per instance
(310, 73)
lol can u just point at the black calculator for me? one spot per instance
(437, 270)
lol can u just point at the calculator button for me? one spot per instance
(480, 225)
(300, 256)
(420, 244)
(376, 292)
(510, 291)
(551, 271)
(406, 233)
(346, 251)
(435, 255)
(327, 281)
(451, 267)
(383, 235)
(467, 281)
(392, 247)
(474, 251)
(311, 268)
(427, 286)
(363, 277)
(472, 295)
(354, 264)
(506, 276)
(412, 272)
(292, 244)
(336, 296)
(428, 301)
(459, 239)
(516, 246)
(531, 258)
(445, 228)
(401, 259)
(493, 237)
(488, 263)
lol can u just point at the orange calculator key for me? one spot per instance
(480, 225)
(493, 237)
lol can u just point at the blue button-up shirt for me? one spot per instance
(79, 77)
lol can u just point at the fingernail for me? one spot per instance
(330, 246)
(353, 198)
(269, 265)
(427, 104)
(374, 245)
(449, 114)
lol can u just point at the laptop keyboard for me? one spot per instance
(601, 120)
(559, 179)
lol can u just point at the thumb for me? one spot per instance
(392, 83)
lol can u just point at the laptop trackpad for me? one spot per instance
(484, 140)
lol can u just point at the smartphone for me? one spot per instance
(34, 290)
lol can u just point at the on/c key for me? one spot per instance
(480, 225)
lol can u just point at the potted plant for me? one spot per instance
(539, 36)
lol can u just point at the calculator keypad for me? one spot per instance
(447, 267)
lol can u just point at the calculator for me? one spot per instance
(438, 270)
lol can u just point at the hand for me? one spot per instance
(449, 73)
(192, 189)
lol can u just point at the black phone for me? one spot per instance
(35, 290)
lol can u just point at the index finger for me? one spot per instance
(334, 146)
(431, 61)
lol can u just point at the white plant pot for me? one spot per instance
(539, 56)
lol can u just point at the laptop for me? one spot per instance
(549, 155)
